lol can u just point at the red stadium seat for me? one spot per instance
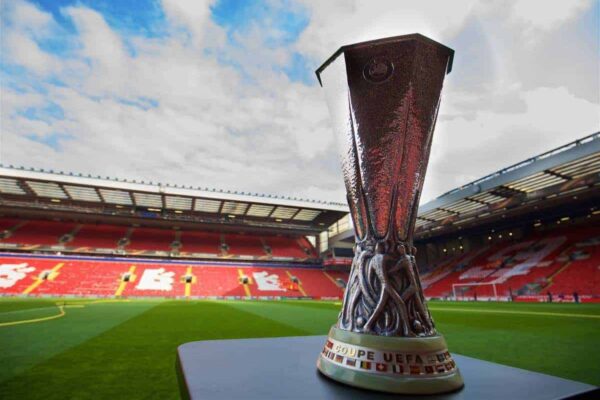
(537, 264)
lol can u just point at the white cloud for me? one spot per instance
(25, 16)
(170, 111)
(337, 23)
(464, 150)
(510, 95)
(24, 51)
(546, 15)
(192, 15)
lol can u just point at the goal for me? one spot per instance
(456, 287)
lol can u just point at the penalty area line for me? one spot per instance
(496, 311)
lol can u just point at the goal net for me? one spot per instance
(475, 290)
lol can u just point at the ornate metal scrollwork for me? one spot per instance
(383, 294)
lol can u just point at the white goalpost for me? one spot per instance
(492, 284)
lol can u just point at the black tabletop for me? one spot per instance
(285, 368)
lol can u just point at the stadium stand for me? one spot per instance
(200, 242)
(20, 276)
(147, 239)
(33, 234)
(76, 278)
(246, 245)
(563, 261)
(529, 232)
(155, 280)
(219, 281)
(97, 237)
(285, 247)
(96, 277)
(8, 223)
(71, 237)
(580, 272)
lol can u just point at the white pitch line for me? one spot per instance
(492, 311)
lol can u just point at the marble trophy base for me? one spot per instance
(420, 365)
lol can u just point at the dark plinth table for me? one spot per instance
(285, 368)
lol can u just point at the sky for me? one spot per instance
(222, 93)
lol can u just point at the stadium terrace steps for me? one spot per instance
(89, 277)
(156, 280)
(245, 244)
(285, 247)
(217, 281)
(148, 239)
(200, 242)
(17, 274)
(581, 276)
(83, 279)
(39, 233)
(98, 236)
(8, 223)
(312, 282)
(512, 266)
(107, 239)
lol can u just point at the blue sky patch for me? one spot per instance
(50, 111)
(137, 17)
(143, 103)
(53, 140)
(282, 24)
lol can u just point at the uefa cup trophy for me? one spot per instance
(383, 97)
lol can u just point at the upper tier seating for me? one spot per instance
(8, 223)
(285, 247)
(200, 242)
(39, 233)
(151, 239)
(98, 236)
(90, 238)
(245, 245)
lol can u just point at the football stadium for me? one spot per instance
(224, 199)
(98, 271)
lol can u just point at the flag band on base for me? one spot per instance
(376, 361)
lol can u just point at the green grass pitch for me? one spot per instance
(126, 349)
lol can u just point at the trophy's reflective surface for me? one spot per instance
(383, 98)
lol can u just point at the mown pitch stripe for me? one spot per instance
(496, 311)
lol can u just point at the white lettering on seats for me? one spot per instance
(156, 279)
(10, 274)
(267, 282)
